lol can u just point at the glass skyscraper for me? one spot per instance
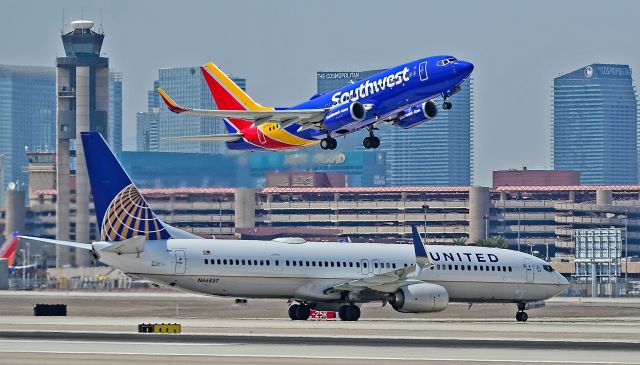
(187, 87)
(595, 124)
(147, 123)
(27, 118)
(436, 153)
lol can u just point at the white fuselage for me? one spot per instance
(272, 269)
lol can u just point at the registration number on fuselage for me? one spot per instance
(208, 280)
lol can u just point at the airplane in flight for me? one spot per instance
(402, 95)
(9, 249)
(315, 275)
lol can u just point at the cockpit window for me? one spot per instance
(547, 268)
(446, 61)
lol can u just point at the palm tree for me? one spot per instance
(494, 241)
(459, 241)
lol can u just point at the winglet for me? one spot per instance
(170, 103)
(421, 253)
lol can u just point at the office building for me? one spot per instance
(115, 111)
(527, 177)
(27, 119)
(595, 124)
(436, 153)
(187, 87)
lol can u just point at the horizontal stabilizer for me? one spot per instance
(85, 246)
(231, 137)
(132, 245)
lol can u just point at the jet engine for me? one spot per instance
(419, 298)
(341, 115)
(417, 115)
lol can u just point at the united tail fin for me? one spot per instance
(121, 211)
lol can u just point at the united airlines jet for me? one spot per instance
(313, 275)
(402, 95)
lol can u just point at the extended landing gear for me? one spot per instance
(446, 105)
(328, 143)
(299, 312)
(371, 141)
(349, 312)
(521, 316)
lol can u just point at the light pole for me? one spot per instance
(518, 239)
(220, 216)
(626, 251)
(486, 227)
(425, 207)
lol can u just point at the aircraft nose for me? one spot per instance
(465, 67)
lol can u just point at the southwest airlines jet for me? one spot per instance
(314, 275)
(402, 96)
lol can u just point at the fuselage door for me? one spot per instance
(377, 267)
(528, 266)
(181, 262)
(261, 136)
(422, 70)
(364, 267)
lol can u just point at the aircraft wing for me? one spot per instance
(286, 117)
(391, 280)
(86, 246)
(231, 137)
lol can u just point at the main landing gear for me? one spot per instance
(371, 141)
(349, 312)
(521, 315)
(299, 312)
(328, 143)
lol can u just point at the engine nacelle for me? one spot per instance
(420, 298)
(417, 115)
(341, 115)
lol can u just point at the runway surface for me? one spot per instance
(567, 331)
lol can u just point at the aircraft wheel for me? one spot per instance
(376, 142)
(325, 143)
(333, 144)
(522, 316)
(352, 313)
(293, 310)
(342, 312)
(447, 105)
(303, 312)
(367, 142)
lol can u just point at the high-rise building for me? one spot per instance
(438, 152)
(595, 124)
(27, 118)
(148, 123)
(115, 111)
(187, 87)
(82, 79)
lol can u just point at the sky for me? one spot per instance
(517, 47)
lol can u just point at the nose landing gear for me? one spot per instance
(446, 105)
(521, 315)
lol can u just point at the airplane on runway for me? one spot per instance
(402, 96)
(316, 275)
(9, 249)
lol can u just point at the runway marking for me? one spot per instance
(83, 342)
(363, 358)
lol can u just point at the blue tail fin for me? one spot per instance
(121, 211)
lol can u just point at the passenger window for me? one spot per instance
(277, 263)
(375, 264)
(224, 261)
(249, 262)
(462, 267)
(364, 264)
(206, 261)
(313, 263)
(237, 262)
(300, 263)
(326, 264)
(218, 261)
(393, 265)
(358, 265)
(509, 268)
(230, 262)
(308, 263)
(344, 264)
(493, 268)
(475, 267)
(338, 264)
(469, 267)
(405, 265)
(481, 268)
(261, 262)
(504, 268)
(243, 262)
(350, 264)
(286, 262)
(333, 264)
(294, 263)
(498, 268)
(267, 262)
(456, 267)
(255, 262)
(450, 267)
(320, 263)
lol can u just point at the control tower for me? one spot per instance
(82, 82)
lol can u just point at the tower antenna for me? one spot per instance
(62, 24)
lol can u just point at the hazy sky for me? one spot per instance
(518, 47)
